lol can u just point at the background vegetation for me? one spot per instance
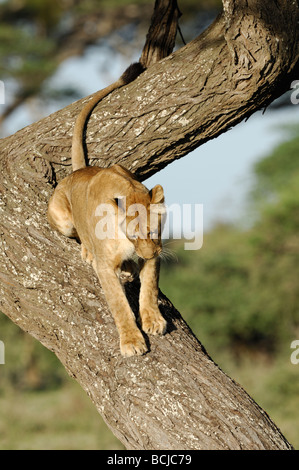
(36, 36)
(239, 293)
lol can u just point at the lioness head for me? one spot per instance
(142, 220)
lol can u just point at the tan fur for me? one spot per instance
(73, 211)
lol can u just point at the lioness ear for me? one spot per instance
(157, 194)
(120, 201)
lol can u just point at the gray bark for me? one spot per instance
(174, 397)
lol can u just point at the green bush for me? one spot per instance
(241, 289)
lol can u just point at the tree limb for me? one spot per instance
(160, 39)
(174, 397)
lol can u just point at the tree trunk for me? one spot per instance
(174, 397)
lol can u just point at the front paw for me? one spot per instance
(132, 344)
(128, 271)
(152, 321)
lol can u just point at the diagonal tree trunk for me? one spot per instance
(174, 397)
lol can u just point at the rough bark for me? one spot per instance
(174, 397)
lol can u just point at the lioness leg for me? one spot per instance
(59, 213)
(151, 318)
(131, 339)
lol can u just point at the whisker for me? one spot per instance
(168, 255)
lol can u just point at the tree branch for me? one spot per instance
(160, 39)
(174, 397)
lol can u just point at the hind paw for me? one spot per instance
(86, 255)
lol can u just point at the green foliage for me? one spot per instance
(241, 289)
(61, 419)
(25, 58)
(276, 171)
(28, 43)
(27, 362)
(240, 293)
(222, 306)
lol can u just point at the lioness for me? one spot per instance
(76, 210)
